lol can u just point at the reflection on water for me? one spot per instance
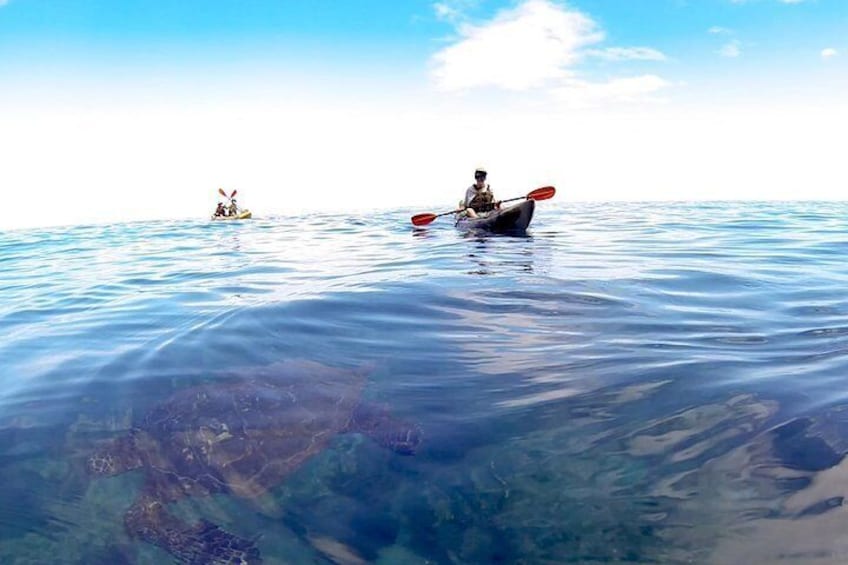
(496, 254)
(625, 384)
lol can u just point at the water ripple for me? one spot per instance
(630, 381)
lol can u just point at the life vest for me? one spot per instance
(483, 201)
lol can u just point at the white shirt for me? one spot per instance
(472, 192)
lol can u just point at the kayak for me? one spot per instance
(506, 220)
(243, 215)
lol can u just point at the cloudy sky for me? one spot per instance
(140, 109)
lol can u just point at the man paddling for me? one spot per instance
(479, 198)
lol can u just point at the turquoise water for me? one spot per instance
(650, 383)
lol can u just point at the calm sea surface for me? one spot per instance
(650, 383)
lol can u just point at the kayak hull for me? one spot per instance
(506, 220)
(243, 215)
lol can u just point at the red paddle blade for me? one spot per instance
(221, 190)
(423, 219)
(542, 193)
(233, 194)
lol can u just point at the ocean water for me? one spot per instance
(627, 383)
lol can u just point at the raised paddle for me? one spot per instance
(224, 194)
(542, 193)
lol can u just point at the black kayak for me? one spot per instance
(506, 220)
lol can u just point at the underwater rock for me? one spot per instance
(797, 450)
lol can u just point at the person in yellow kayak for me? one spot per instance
(479, 198)
(220, 210)
(233, 210)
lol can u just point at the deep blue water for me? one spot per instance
(651, 383)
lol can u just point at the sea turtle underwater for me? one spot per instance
(238, 438)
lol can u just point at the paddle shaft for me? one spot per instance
(513, 199)
(542, 193)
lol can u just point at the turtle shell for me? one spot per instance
(246, 436)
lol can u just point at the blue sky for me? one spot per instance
(387, 40)
(236, 89)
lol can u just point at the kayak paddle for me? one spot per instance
(424, 219)
(542, 193)
(224, 194)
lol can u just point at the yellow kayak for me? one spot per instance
(243, 215)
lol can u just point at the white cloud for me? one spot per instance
(719, 30)
(731, 49)
(627, 54)
(444, 11)
(521, 48)
(829, 53)
(540, 44)
(585, 94)
(453, 10)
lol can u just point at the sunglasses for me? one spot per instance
(479, 176)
